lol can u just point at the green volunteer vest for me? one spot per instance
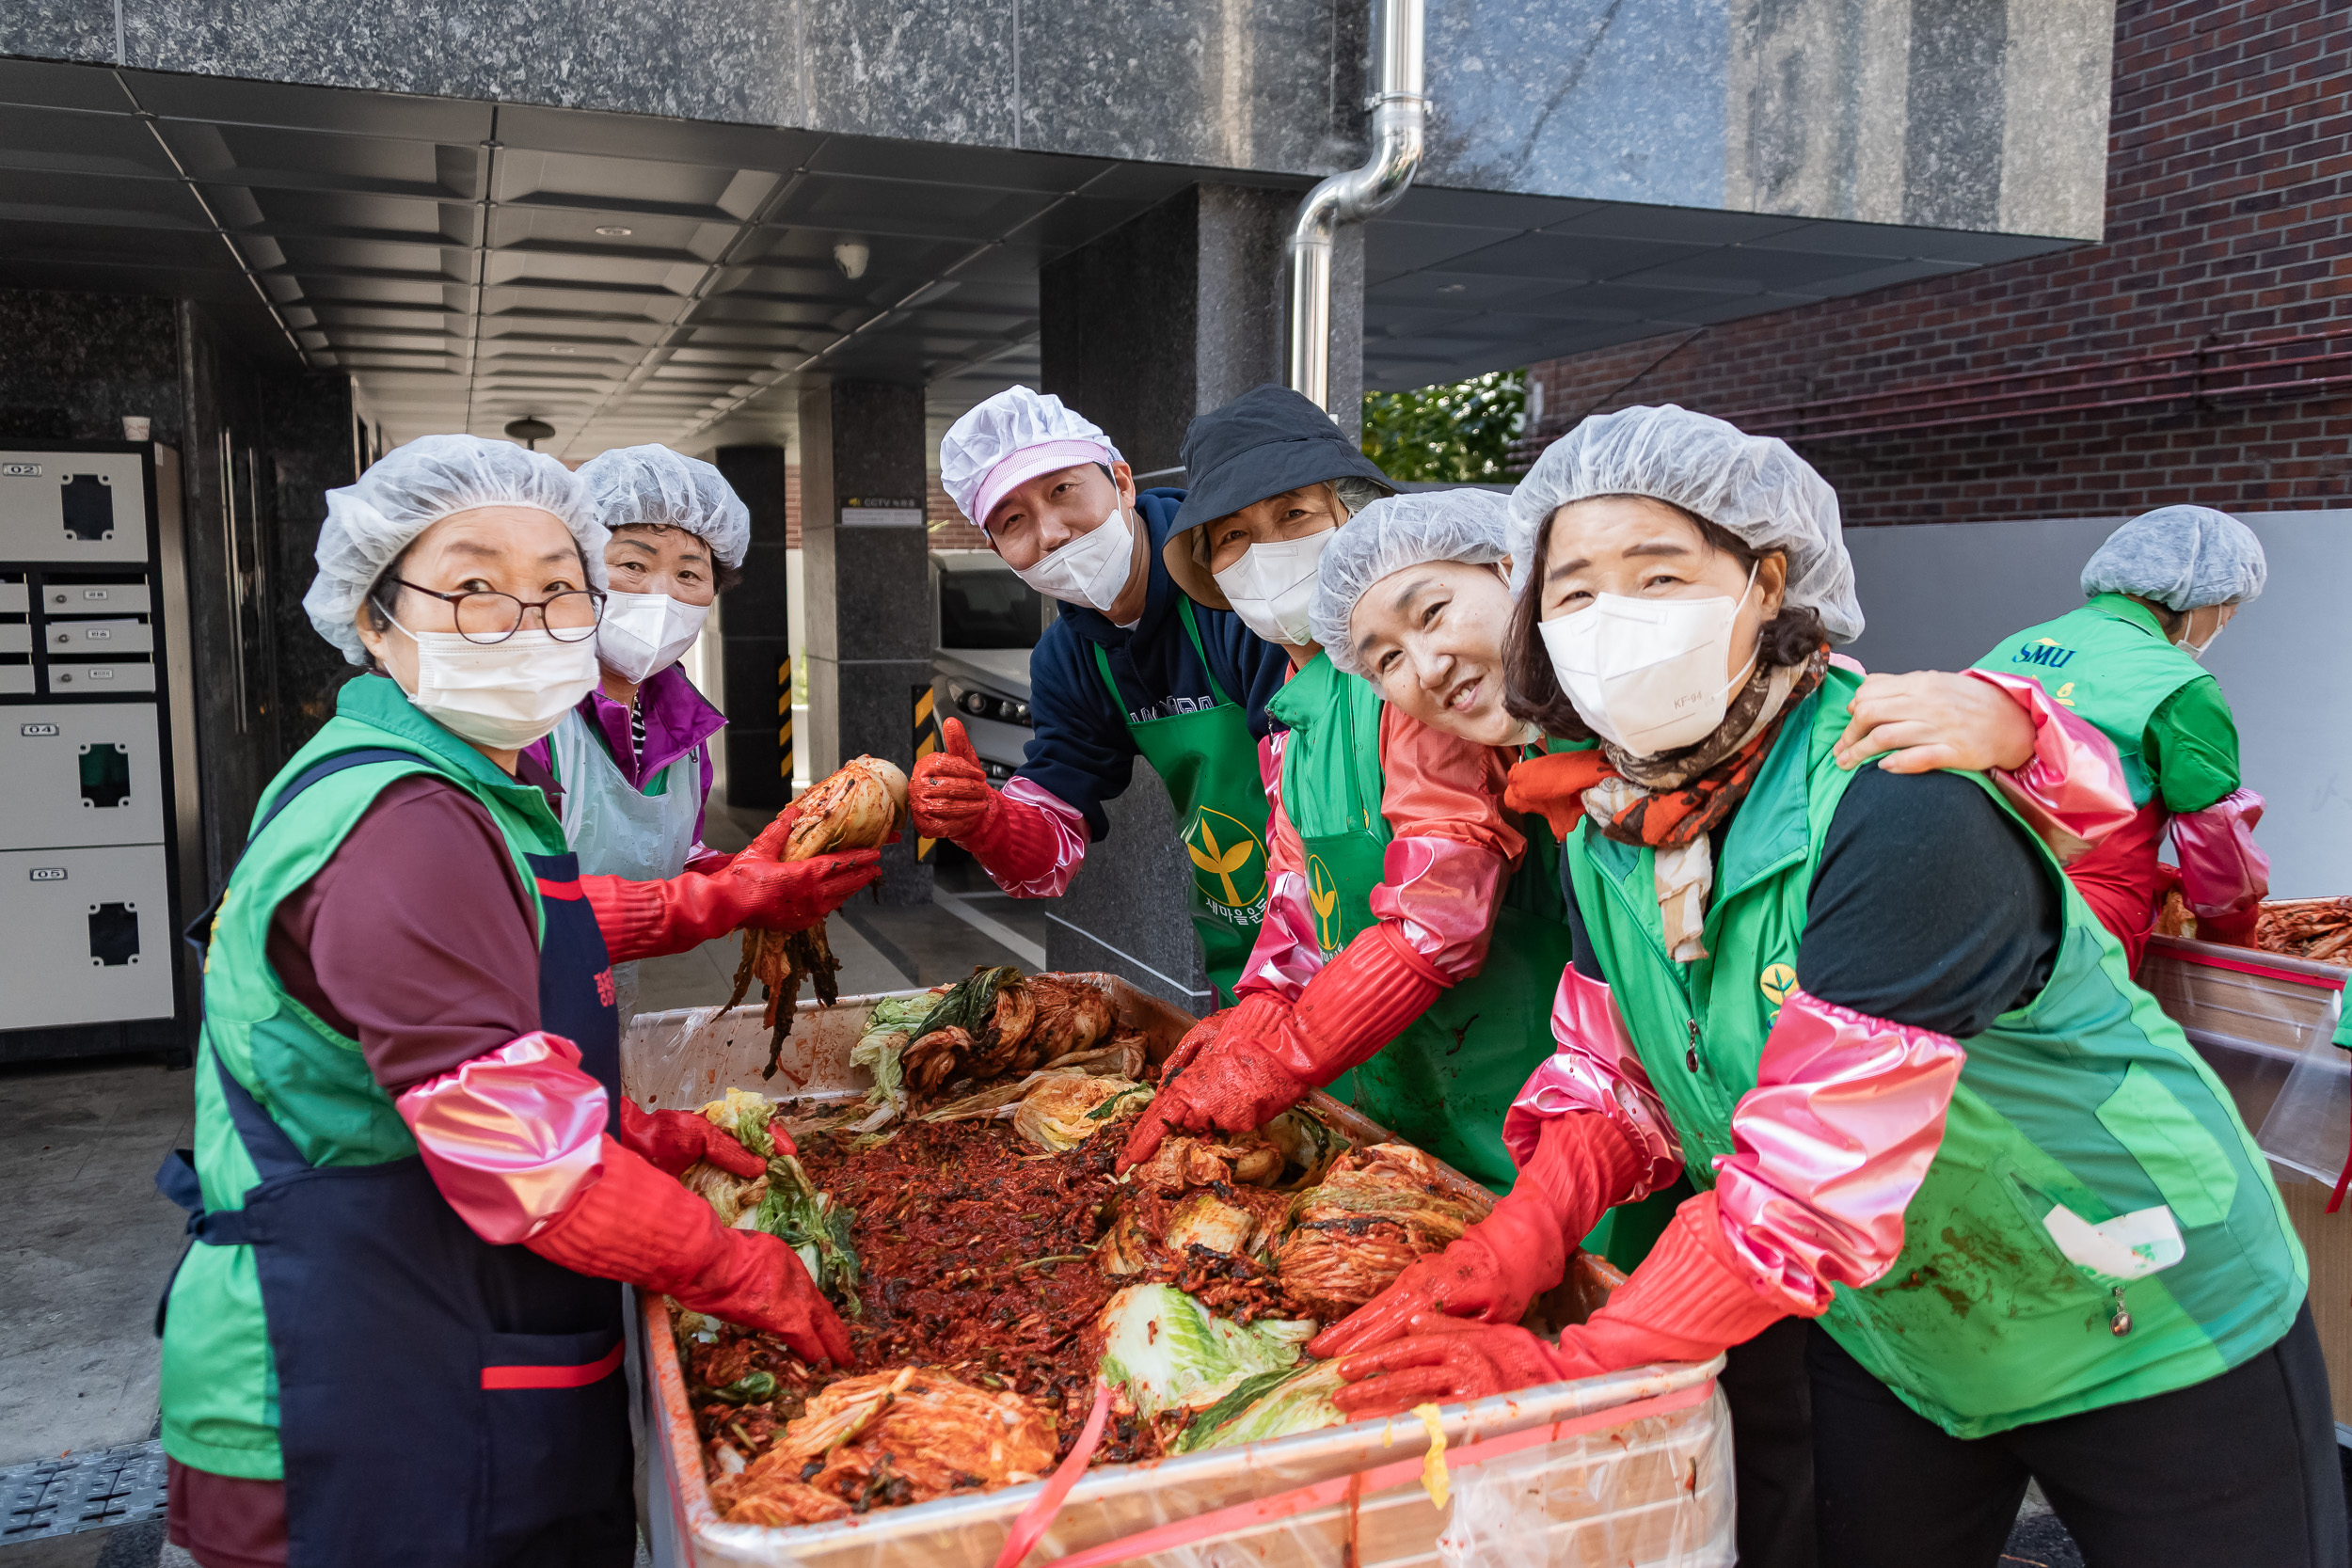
(2087, 1097)
(2110, 663)
(219, 1387)
(1445, 1081)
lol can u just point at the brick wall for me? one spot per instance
(2197, 331)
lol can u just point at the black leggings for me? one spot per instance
(2239, 1469)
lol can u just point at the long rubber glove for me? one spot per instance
(1690, 1300)
(635, 1224)
(1027, 848)
(1269, 1053)
(644, 920)
(1582, 1165)
(670, 1141)
(2224, 874)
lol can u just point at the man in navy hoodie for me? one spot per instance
(1132, 667)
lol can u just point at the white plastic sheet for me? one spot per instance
(2310, 1125)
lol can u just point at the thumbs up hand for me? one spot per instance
(949, 796)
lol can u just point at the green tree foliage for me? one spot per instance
(1460, 434)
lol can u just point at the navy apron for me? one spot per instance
(441, 1400)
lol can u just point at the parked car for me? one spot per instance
(987, 622)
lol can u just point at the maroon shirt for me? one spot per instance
(418, 939)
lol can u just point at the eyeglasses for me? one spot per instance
(487, 617)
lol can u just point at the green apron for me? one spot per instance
(1209, 761)
(1444, 1081)
(2087, 1099)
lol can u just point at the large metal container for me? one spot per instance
(1656, 1489)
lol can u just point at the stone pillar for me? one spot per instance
(1170, 315)
(865, 574)
(756, 639)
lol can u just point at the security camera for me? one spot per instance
(849, 256)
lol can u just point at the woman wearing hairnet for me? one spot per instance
(397, 1337)
(1412, 595)
(1129, 668)
(1924, 1104)
(631, 762)
(2161, 589)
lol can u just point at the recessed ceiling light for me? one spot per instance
(561, 348)
(614, 230)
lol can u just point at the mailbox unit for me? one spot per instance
(97, 752)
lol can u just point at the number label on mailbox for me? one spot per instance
(37, 729)
(49, 874)
(20, 470)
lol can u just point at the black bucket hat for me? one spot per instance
(1266, 442)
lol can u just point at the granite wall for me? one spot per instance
(1974, 114)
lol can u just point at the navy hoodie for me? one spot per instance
(1080, 750)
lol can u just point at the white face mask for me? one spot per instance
(1091, 569)
(502, 695)
(1272, 585)
(642, 634)
(1648, 674)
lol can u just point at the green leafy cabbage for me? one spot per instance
(1272, 1405)
(1170, 1353)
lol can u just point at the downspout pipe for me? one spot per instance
(1400, 112)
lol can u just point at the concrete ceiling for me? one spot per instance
(630, 279)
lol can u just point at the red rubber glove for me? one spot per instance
(643, 919)
(1582, 1165)
(1446, 1361)
(948, 795)
(672, 1140)
(635, 1224)
(1268, 1053)
(1690, 1300)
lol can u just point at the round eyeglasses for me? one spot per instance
(488, 617)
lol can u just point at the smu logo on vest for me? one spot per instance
(1322, 891)
(1230, 865)
(2044, 652)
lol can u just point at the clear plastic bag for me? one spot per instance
(2309, 1128)
(1656, 1493)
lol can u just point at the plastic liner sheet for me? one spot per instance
(1655, 1492)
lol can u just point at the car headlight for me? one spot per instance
(984, 704)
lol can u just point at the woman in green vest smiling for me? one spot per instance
(1924, 1103)
(397, 1337)
(1413, 595)
(2161, 589)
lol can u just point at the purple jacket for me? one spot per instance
(677, 719)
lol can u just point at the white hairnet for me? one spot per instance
(1390, 534)
(1754, 486)
(1010, 439)
(414, 486)
(2182, 557)
(653, 486)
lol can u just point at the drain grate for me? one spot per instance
(88, 1491)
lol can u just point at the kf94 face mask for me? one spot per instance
(642, 634)
(1091, 569)
(1273, 584)
(1648, 674)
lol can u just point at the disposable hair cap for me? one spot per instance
(1009, 439)
(2182, 557)
(652, 486)
(1753, 486)
(1390, 535)
(414, 486)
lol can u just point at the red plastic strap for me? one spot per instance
(1039, 1516)
(2335, 1200)
(2244, 967)
(554, 1377)
(1325, 1494)
(566, 891)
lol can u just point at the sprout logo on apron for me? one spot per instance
(1229, 862)
(1324, 889)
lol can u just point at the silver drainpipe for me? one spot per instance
(1398, 112)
